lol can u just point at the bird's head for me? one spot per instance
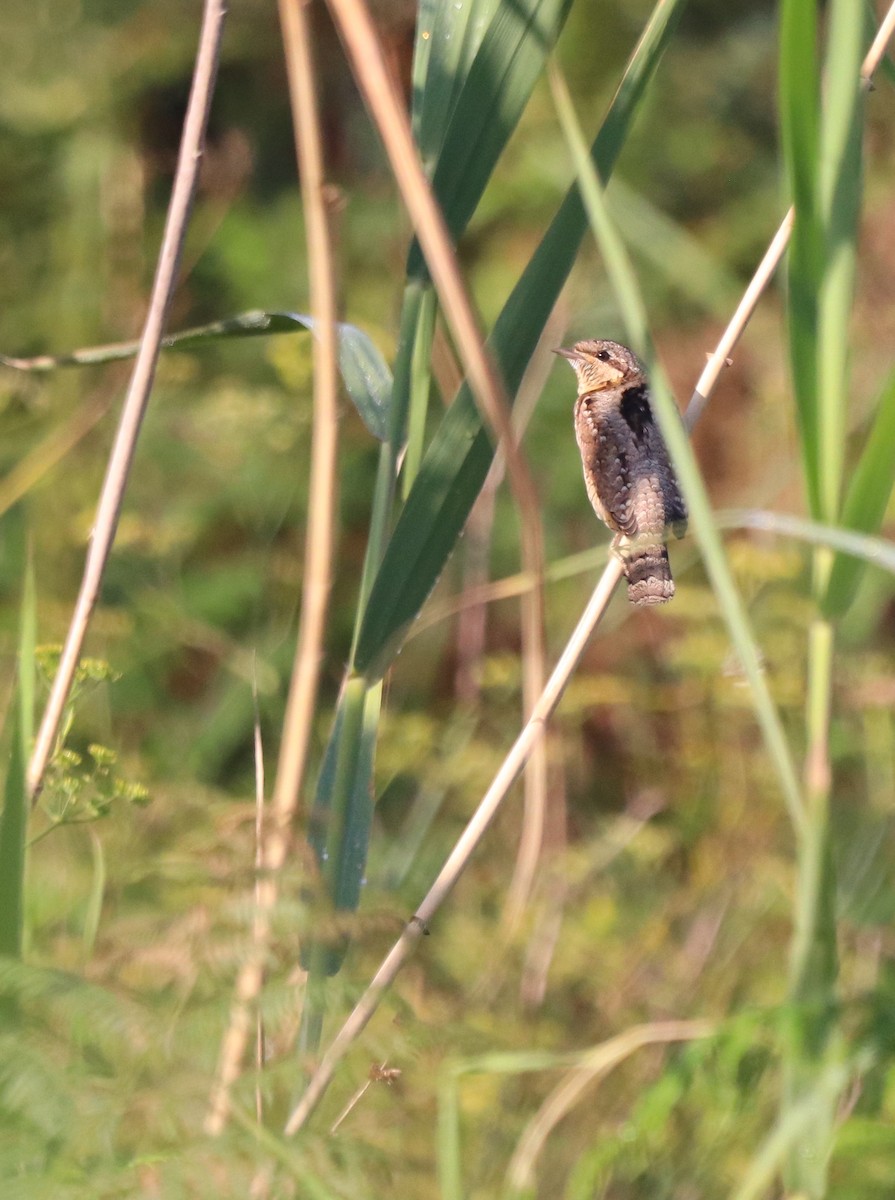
(602, 364)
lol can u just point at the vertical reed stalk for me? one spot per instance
(301, 702)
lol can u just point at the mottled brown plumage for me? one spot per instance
(628, 474)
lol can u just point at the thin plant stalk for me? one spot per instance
(301, 701)
(140, 387)
(257, 920)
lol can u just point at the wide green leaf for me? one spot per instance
(460, 454)
(486, 111)
(447, 38)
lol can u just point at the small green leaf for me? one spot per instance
(365, 374)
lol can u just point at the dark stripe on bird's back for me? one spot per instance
(635, 409)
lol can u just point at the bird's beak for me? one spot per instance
(563, 353)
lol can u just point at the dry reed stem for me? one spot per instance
(359, 36)
(303, 685)
(515, 760)
(595, 1065)
(140, 387)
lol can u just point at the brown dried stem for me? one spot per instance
(294, 20)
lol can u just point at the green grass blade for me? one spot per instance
(671, 251)
(365, 374)
(865, 502)
(495, 92)
(615, 257)
(799, 91)
(16, 801)
(342, 813)
(418, 299)
(94, 908)
(702, 523)
(420, 387)
(840, 192)
(447, 38)
(460, 454)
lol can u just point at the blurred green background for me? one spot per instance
(666, 890)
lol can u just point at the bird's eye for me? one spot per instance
(603, 355)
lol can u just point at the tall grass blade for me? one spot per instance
(460, 454)
(702, 523)
(340, 820)
(16, 803)
(839, 205)
(800, 135)
(420, 387)
(450, 1169)
(789, 1134)
(475, 65)
(865, 503)
(823, 153)
(871, 551)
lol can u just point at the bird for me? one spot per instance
(627, 470)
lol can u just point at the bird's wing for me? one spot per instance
(614, 479)
(602, 442)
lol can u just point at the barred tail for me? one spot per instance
(649, 575)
